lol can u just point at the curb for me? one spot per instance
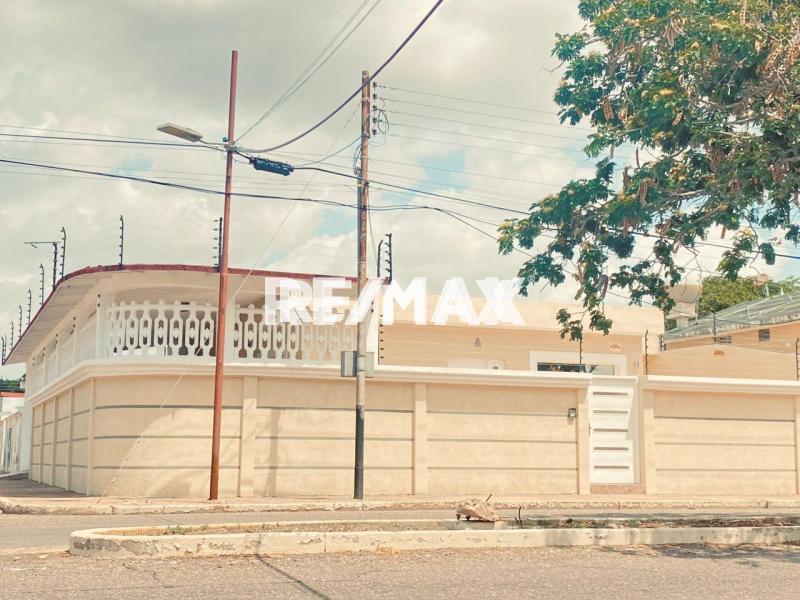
(10, 506)
(115, 543)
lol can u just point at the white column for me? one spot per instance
(100, 325)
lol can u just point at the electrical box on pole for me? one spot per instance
(272, 166)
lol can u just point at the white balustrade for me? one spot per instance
(159, 329)
(184, 330)
(189, 329)
(256, 340)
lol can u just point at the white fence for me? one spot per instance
(183, 330)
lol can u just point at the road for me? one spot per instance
(30, 533)
(660, 573)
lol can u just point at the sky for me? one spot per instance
(122, 67)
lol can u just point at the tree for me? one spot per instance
(720, 293)
(710, 89)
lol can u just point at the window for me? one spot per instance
(551, 367)
(723, 339)
(763, 335)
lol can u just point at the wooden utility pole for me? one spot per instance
(222, 306)
(362, 328)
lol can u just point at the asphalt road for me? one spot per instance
(26, 533)
(31, 532)
(653, 573)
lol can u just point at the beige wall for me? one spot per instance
(288, 432)
(294, 437)
(743, 443)
(435, 346)
(722, 360)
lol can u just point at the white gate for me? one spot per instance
(613, 432)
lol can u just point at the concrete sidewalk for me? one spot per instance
(28, 497)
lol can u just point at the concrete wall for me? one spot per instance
(723, 361)
(701, 438)
(11, 443)
(432, 346)
(289, 431)
(293, 436)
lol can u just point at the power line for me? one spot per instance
(470, 100)
(425, 166)
(132, 142)
(417, 191)
(484, 114)
(438, 119)
(315, 65)
(491, 138)
(473, 146)
(358, 91)
(192, 188)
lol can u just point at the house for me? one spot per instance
(120, 364)
(758, 339)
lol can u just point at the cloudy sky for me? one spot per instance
(122, 67)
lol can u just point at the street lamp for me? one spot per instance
(190, 135)
(193, 136)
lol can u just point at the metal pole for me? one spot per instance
(223, 289)
(63, 250)
(20, 318)
(363, 206)
(30, 302)
(646, 349)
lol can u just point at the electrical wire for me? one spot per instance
(375, 74)
(485, 148)
(461, 99)
(168, 184)
(484, 114)
(315, 65)
(132, 142)
(495, 139)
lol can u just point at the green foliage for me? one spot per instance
(720, 293)
(711, 89)
(9, 385)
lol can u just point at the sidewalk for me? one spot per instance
(28, 497)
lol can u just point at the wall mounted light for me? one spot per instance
(572, 413)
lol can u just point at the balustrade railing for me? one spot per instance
(185, 330)
(254, 339)
(188, 329)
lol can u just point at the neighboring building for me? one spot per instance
(120, 384)
(10, 402)
(767, 324)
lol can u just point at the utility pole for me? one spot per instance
(223, 287)
(361, 328)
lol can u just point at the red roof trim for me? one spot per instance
(166, 267)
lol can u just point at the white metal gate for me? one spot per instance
(613, 433)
